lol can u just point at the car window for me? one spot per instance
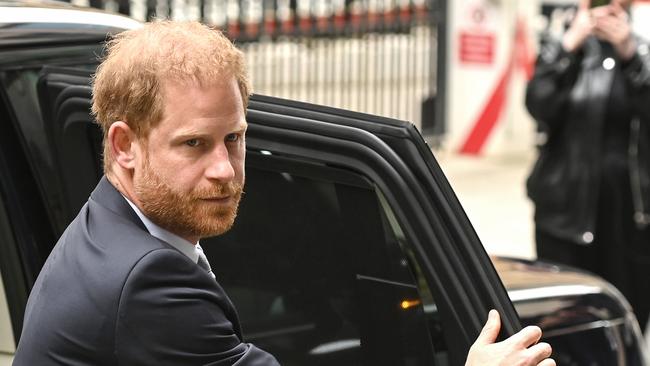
(431, 310)
(321, 273)
(20, 84)
(21, 88)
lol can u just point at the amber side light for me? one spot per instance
(407, 304)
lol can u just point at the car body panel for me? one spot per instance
(7, 344)
(575, 309)
(6, 359)
(28, 26)
(7, 340)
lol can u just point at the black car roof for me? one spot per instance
(46, 22)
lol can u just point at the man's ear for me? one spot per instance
(123, 143)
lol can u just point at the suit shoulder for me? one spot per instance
(171, 311)
(165, 268)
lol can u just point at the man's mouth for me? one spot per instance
(220, 199)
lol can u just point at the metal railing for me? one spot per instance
(373, 56)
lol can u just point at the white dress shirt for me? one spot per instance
(191, 250)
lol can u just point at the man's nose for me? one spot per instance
(219, 166)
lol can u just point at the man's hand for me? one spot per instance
(521, 349)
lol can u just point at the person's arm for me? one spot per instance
(612, 25)
(547, 93)
(557, 69)
(637, 75)
(521, 349)
(173, 313)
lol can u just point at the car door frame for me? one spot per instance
(456, 266)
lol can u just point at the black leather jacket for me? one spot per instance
(567, 97)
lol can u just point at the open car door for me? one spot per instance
(350, 247)
(352, 212)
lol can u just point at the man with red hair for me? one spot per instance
(127, 283)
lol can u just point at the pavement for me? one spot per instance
(492, 191)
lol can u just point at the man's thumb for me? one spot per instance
(490, 329)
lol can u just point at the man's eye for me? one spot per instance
(192, 143)
(233, 137)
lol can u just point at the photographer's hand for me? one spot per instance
(612, 25)
(581, 27)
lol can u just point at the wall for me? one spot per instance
(491, 50)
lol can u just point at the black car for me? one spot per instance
(350, 248)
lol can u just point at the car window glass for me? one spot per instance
(318, 274)
(20, 88)
(430, 309)
(63, 199)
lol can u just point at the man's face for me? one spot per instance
(190, 170)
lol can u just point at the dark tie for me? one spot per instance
(203, 263)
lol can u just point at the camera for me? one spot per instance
(597, 3)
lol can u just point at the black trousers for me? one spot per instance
(620, 252)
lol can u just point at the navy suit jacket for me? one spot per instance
(112, 294)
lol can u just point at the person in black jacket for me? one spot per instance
(590, 96)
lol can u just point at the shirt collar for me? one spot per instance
(186, 247)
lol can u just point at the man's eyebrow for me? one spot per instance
(238, 125)
(194, 132)
(190, 132)
(243, 125)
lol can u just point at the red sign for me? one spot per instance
(477, 48)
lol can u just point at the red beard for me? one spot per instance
(190, 214)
